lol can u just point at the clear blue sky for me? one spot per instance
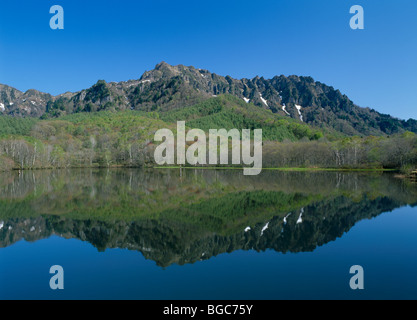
(119, 40)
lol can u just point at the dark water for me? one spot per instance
(201, 234)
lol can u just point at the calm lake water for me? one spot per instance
(203, 234)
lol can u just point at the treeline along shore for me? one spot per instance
(125, 139)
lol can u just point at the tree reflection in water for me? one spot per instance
(183, 217)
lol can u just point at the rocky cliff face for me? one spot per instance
(31, 103)
(170, 87)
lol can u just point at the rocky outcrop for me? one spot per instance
(170, 87)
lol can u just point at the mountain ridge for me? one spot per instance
(168, 87)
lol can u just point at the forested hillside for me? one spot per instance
(125, 138)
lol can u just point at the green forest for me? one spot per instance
(125, 139)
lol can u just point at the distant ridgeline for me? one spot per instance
(38, 130)
(157, 214)
(175, 87)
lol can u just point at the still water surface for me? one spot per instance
(203, 234)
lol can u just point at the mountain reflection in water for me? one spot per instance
(192, 215)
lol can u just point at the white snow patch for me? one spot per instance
(246, 99)
(285, 218)
(300, 218)
(144, 81)
(1, 224)
(299, 112)
(11, 103)
(263, 100)
(32, 229)
(264, 228)
(247, 229)
(33, 102)
(2, 108)
(10, 227)
(285, 110)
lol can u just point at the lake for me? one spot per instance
(206, 234)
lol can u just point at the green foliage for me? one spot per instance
(16, 126)
(97, 92)
(56, 108)
(227, 112)
(125, 138)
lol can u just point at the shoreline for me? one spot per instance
(284, 169)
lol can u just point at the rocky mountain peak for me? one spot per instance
(168, 87)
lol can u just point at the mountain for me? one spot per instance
(30, 103)
(167, 88)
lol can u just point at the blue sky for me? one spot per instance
(119, 40)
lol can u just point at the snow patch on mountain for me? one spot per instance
(263, 100)
(299, 112)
